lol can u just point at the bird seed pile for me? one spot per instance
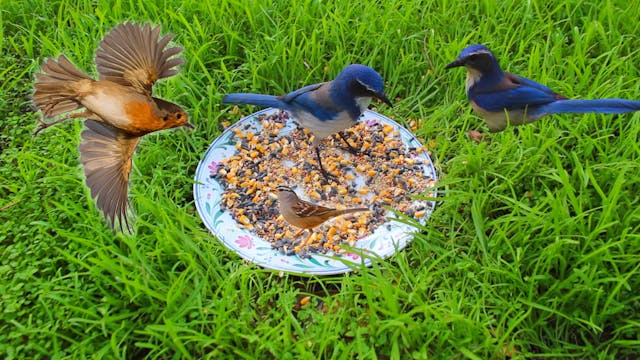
(382, 172)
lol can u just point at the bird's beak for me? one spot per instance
(455, 63)
(189, 126)
(385, 99)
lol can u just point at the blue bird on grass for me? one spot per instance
(503, 98)
(326, 108)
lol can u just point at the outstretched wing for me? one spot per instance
(132, 55)
(105, 153)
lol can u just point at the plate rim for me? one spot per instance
(347, 265)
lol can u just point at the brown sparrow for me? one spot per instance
(303, 214)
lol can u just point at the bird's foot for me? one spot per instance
(478, 137)
(350, 148)
(44, 125)
(328, 177)
(297, 235)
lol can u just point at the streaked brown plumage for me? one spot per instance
(303, 214)
(119, 107)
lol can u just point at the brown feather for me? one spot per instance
(304, 214)
(106, 153)
(305, 209)
(54, 93)
(132, 55)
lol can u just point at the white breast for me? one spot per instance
(473, 76)
(363, 103)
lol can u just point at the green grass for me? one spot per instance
(532, 252)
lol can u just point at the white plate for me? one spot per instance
(387, 239)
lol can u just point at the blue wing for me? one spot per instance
(313, 99)
(514, 92)
(294, 94)
(523, 81)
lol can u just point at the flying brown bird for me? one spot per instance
(119, 107)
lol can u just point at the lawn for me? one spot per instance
(533, 250)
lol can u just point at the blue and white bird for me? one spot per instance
(502, 98)
(325, 108)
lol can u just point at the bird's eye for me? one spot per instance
(472, 57)
(178, 116)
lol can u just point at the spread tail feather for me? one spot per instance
(255, 99)
(53, 95)
(603, 106)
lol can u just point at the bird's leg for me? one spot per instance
(296, 235)
(324, 172)
(349, 148)
(304, 242)
(44, 125)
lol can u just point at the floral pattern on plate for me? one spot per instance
(386, 240)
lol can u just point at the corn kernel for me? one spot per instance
(331, 232)
(305, 300)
